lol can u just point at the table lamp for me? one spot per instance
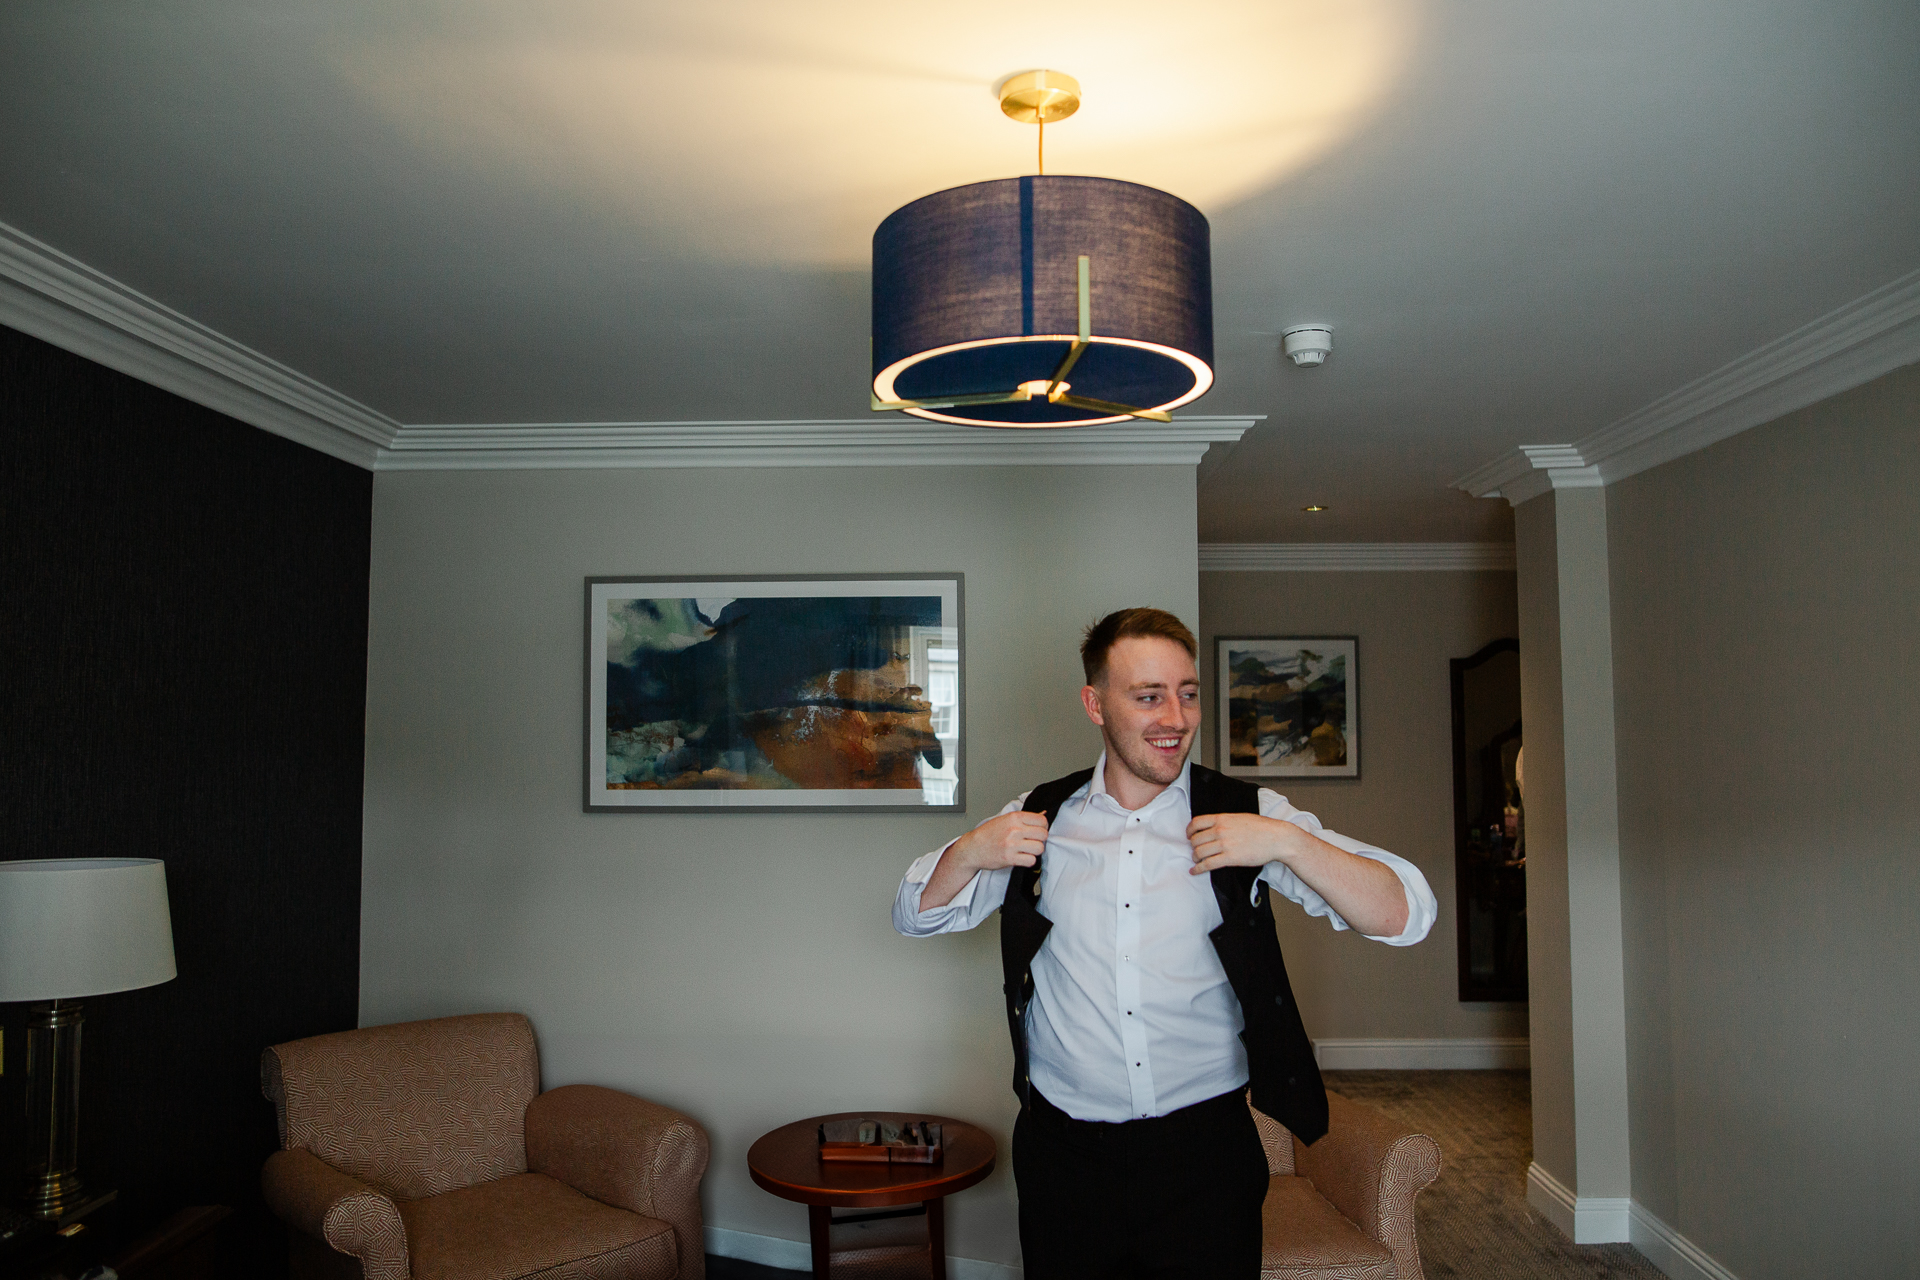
(72, 927)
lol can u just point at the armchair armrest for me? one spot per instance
(1371, 1167)
(313, 1196)
(624, 1151)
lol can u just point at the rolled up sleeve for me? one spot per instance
(979, 899)
(1422, 909)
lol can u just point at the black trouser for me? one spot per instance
(1177, 1195)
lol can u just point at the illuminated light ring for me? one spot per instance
(1202, 379)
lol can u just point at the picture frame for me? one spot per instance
(1287, 706)
(775, 693)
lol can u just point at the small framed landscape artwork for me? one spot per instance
(1288, 707)
(775, 693)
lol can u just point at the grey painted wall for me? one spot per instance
(1766, 614)
(1409, 625)
(741, 968)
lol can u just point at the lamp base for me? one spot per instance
(53, 1084)
(53, 1193)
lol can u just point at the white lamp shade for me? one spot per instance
(73, 927)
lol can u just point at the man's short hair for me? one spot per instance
(1126, 624)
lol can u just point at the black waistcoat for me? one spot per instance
(1284, 1076)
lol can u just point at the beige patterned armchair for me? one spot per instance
(1342, 1209)
(426, 1151)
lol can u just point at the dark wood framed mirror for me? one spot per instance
(1489, 824)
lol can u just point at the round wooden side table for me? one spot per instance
(786, 1162)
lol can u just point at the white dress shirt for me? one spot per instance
(1132, 1015)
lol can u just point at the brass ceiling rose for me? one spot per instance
(1040, 97)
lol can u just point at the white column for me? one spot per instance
(1581, 1176)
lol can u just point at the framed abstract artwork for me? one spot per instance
(775, 693)
(1287, 706)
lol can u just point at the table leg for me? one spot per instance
(819, 1228)
(937, 1236)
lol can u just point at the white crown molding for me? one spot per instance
(60, 300)
(1870, 336)
(1530, 471)
(885, 442)
(1353, 557)
(1583, 1220)
(45, 293)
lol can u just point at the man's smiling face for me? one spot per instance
(1147, 705)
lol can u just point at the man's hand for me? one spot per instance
(1243, 840)
(1010, 840)
(1367, 894)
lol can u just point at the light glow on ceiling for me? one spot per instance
(763, 130)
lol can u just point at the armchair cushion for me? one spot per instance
(1305, 1238)
(529, 1225)
(312, 1195)
(412, 1109)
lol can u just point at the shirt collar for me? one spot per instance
(1097, 786)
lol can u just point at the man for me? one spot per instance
(1145, 988)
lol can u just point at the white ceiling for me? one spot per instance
(1523, 219)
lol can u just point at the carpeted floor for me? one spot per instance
(1474, 1221)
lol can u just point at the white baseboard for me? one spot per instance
(1584, 1220)
(768, 1251)
(797, 1255)
(1670, 1251)
(1422, 1055)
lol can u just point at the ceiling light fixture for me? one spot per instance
(1313, 507)
(1308, 347)
(1042, 301)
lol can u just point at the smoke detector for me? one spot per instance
(1308, 347)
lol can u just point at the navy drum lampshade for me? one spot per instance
(977, 294)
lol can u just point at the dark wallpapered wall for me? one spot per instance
(183, 651)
